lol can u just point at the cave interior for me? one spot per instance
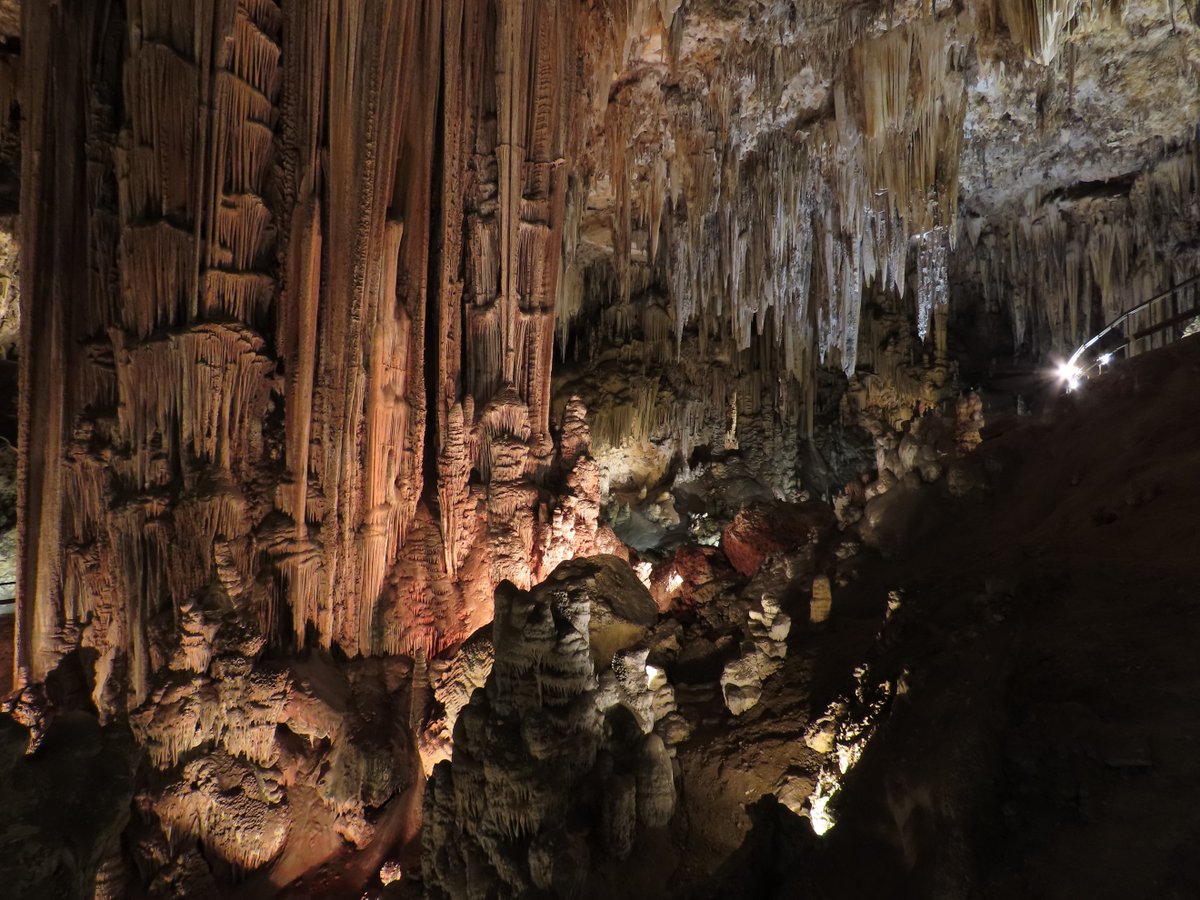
(599, 448)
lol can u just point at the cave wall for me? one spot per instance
(762, 175)
(310, 351)
(1057, 266)
(246, 323)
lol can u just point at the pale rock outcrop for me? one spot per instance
(571, 526)
(235, 808)
(454, 678)
(822, 599)
(644, 689)
(10, 247)
(841, 734)
(761, 655)
(621, 609)
(251, 757)
(968, 413)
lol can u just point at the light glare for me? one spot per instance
(1070, 375)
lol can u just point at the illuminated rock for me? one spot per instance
(969, 421)
(235, 808)
(761, 656)
(542, 745)
(822, 599)
(454, 679)
(294, 277)
(761, 530)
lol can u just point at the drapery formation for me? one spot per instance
(292, 280)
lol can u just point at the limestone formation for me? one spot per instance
(10, 271)
(332, 318)
(761, 655)
(969, 422)
(759, 531)
(260, 762)
(267, 265)
(841, 735)
(621, 609)
(555, 766)
(248, 318)
(612, 177)
(8, 528)
(822, 599)
(454, 679)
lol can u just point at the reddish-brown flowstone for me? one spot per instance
(760, 530)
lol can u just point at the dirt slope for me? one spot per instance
(1048, 744)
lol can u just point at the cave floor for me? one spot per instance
(1048, 744)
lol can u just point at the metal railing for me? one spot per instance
(1151, 324)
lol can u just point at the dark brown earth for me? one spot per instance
(1048, 745)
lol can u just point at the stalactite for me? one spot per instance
(266, 240)
(156, 272)
(242, 223)
(1063, 268)
(454, 494)
(1037, 26)
(461, 27)
(187, 398)
(364, 326)
(932, 286)
(301, 247)
(161, 93)
(224, 385)
(772, 244)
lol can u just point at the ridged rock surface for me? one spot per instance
(553, 770)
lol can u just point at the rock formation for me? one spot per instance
(556, 765)
(761, 656)
(255, 388)
(277, 317)
(340, 322)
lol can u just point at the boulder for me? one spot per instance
(822, 599)
(763, 529)
(622, 610)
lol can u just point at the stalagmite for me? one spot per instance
(545, 710)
